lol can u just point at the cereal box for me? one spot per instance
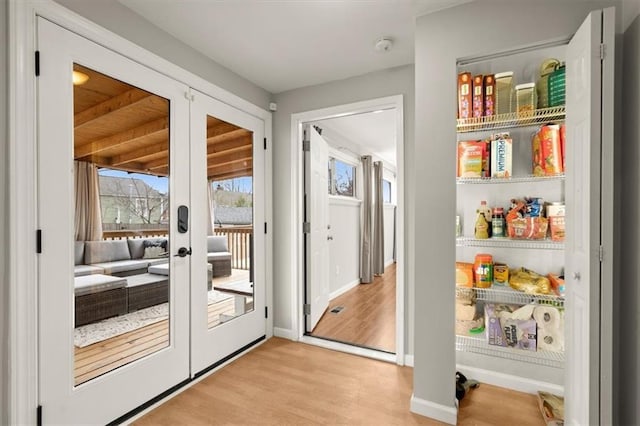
(470, 158)
(501, 157)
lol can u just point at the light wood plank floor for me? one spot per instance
(288, 383)
(102, 357)
(369, 315)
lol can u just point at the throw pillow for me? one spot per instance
(154, 249)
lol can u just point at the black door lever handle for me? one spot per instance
(183, 252)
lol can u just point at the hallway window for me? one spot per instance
(341, 178)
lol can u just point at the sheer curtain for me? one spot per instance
(366, 255)
(378, 220)
(88, 220)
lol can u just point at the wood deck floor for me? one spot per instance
(369, 315)
(102, 357)
(288, 383)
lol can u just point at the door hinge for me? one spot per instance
(306, 146)
(38, 241)
(306, 309)
(37, 63)
(265, 227)
(266, 312)
(306, 227)
(39, 415)
(265, 143)
(601, 253)
(602, 51)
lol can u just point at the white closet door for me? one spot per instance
(66, 394)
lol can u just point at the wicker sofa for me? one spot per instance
(218, 255)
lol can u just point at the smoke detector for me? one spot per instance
(384, 44)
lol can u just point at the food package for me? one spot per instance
(486, 159)
(527, 228)
(502, 330)
(489, 95)
(468, 328)
(551, 149)
(557, 284)
(529, 282)
(465, 296)
(478, 97)
(500, 274)
(552, 408)
(470, 158)
(464, 95)
(465, 312)
(563, 137)
(501, 157)
(537, 165)
(555, 214)
(464, 274)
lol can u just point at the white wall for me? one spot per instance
(369, 86)
(4, 166)
(121, 20)
(344, 249)
(442, 38)
(628, 343)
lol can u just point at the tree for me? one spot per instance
(140, 200)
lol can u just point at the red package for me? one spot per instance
(563, 137)
(464, 95)
(489, 95)
(478, 97)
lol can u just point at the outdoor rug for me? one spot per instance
(89, 334)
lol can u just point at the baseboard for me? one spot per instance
(509, 381)
(408, 360)
(389, 262)
(285, 333)
(343, 289)
(435, 411)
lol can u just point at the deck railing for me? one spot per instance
(238, 240)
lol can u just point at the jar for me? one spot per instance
(526, 99)
(483, 270)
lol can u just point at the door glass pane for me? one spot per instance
(230, 239)
(121, 177)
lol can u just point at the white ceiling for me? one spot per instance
(286, 44)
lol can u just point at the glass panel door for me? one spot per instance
(111, 176)
(227, 164)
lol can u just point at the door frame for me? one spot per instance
(22, 261)
(297, 242)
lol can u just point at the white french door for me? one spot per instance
(228, 235)
(73, 122)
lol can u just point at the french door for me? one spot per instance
(129, 275)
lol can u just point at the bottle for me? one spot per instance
(483, 221)
(497, 223)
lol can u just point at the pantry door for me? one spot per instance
(228, 286)
(118, 134)
(587, 285)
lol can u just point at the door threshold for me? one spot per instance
(350, 349)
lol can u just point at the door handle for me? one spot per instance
(183, 252)
(329, 238)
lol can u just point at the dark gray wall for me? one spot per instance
(4, 165)
(117, 18)
(441, 39)
(628, 345)
(394, 81)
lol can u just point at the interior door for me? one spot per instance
(317, 216)
(228, 239)
(125, 118)
(583, 273)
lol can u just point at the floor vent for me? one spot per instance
(337, 309)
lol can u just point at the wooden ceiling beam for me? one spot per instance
(227, 136)
(231, 175)
(220, 128)
(138, 155)
(230, 167)
(230, 155)
(147, 129)
(123, 100)
(220, 146)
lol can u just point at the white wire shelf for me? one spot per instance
(479, 345)
(506, 180)
(545, 244)
(510, 296)
(514, 119)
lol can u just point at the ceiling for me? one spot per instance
(121, 127)
(282, 44)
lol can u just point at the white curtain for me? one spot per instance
(366, 255)
(88, 223)
(210, 222)
(378, 221)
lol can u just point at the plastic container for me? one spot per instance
(483, 270)
(526, 99)
(504, 92)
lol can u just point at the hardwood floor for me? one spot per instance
(287, 383)
(369, 315)
(102, 357)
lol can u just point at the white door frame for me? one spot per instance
(297, 243)
(22, 265)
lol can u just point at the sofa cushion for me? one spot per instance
(137, 245)
(90, 284)
(158, 261)
(82, 270)
(79, 252)
(225, 255)
(216, 243)
(118, 266)
(105, 251)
